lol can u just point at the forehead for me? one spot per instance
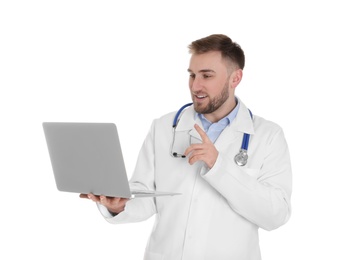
(207, 61)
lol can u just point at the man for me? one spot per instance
(224, 201)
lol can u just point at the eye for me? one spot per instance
(205, 76)
(192, 76)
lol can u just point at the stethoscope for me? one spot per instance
(240, 158)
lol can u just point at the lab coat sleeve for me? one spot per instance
(138, 209)
(262, 198)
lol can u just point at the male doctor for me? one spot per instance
(223, 202)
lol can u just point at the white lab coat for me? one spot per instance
(220, 209)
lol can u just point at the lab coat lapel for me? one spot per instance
(187, 120)
(243, 120)
(227, 137)
(240, 125)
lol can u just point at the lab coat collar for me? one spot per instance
(242, 123)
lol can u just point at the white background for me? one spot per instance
(125, 62)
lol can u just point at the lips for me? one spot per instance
(200, 96)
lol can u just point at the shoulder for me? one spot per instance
(166, 118)
(186, 113)
(261, 122)
(163, 122)
(267, 128)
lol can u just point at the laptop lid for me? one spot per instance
(87, 158)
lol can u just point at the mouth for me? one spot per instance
(200, 97)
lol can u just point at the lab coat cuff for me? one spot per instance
(205, 170)
(104, 211)
(135, 210)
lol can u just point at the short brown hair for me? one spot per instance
(219, 42)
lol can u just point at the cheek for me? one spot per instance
(215, 87)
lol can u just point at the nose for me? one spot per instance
(195, 84)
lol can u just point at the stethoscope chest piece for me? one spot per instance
(241, 158)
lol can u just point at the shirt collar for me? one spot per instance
(224, 121)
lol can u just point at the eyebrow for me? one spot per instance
(204, 70)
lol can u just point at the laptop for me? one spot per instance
(87, 158)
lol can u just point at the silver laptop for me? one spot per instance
(87, 158)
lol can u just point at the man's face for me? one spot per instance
(209, 82)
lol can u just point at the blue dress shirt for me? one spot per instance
(214, 130)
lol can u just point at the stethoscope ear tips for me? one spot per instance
(176, 155)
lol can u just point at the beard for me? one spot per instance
(214, 103)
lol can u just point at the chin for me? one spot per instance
(200, 108)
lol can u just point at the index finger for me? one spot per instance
(83, 196)
(203, 134)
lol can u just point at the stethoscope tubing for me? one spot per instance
(246, 138)
(175, 120)
(245, 141)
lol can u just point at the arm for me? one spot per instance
(121, 210)
(264, 201)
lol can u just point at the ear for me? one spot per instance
(235, 78)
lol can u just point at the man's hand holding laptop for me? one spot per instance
(114, 205)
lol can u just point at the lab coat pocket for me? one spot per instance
(153, 256)
(252, 172)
